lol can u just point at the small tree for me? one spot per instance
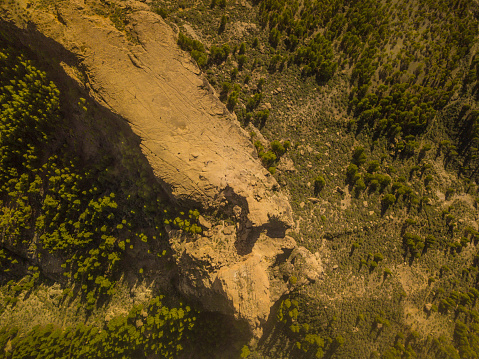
(242, 48)
(241, 61)
(232, 100)
(339, 340)
(225, 89)
(360, 185)
(359, 157)
(224, 20)
(352, 173)
(261, 117)
(261, 83)
(373, 166)
(388, 200)
(430, 240)
(200, 57)
(269, 158)
(234, 73)
(274, 36)
(319, 184)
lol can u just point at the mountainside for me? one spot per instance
(307, 167)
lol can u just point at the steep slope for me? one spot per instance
(196, 148)
(194, 145)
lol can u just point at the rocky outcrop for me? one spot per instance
(245, 286)
(196, 148)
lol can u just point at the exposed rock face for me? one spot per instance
(223, 280)
(197, 150)
(244, 286)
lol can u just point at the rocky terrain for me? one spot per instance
(199, 154)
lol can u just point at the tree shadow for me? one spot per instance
(273, 333)
(216, 336)
(100, 133)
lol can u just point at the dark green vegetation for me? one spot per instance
(378, 101)
(152, 331)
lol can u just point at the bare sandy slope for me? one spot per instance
(196, 148)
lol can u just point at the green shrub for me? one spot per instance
(200, 57)
(245, 352)
(260, 84)
(188, 44)
(234, 73)
(414, 243)
(254, 102)
(360, 185)
(232, 100)
(195, 48)
(242, 48)
(261, 117)
(373, 185)
(274, 37)
(161, 11)
(219, 54)
(259, 147)
(268, 158)
(430, 240)
(378, 257)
